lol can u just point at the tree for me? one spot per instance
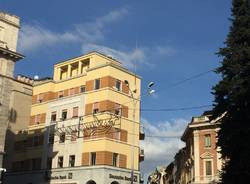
(232, 95)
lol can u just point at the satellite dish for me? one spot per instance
(36, 77)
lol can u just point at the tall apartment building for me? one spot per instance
(83, 127)
(200, 161)
(9, 27)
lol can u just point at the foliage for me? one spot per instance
(232, 95)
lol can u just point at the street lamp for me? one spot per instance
(2, 171)
(149, 92)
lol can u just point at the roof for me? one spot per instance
(202, 121)
(89, 53)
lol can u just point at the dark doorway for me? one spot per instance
(91, 182)
(114, 182)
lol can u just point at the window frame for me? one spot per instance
(60, 94)
(40, 98)
(77, 115)
(82, 89)
(36, 140)
(99, 84)
(73, 136)
(54, 113)
(115, 159)
(60, 162)
(36, 163)
(207, 141)
(117, 81)
(62, 135)
(64, 111)
(49, 163)
(93, 158)
(118, 109)
(72, 91)
(37, 119)
(72, 160)
(205, 167)
(96, 108)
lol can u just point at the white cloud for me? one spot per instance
(90, 36)
(35, 36)
(160, 151)
(127, 58)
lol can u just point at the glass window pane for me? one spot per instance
(208, 168)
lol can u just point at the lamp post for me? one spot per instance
(2, 171)
(149, 91)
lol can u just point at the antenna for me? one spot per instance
(136, 48)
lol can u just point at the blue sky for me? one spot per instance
(175, 40)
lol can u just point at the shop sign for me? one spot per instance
(118, 177)
(49, 176)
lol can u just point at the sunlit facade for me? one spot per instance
(82, 125)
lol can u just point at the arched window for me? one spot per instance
(91, 182)
(114, 182)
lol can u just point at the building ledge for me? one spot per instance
(14, 55)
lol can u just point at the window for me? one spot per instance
(70, 175)
(208, 140)
(51, 138)
(73, 135)
(208, 168)
(97, 84)
(93, 158)
(75, 111)
(82, 89)
(72, 161)
(37, 119)
(117, 109)
(60, 94)
(115, 159)
(40, 98)
(118, 85)
(96, 108)
(36, 140)
(62, 138)
(49, 163)
(60, 162)
(53, 116)
(64, 114)
(36, 163)
(71, 91)
(116, 134)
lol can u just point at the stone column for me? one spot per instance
(196, 156)
(80, 68)
(69, 71)
(59, 74)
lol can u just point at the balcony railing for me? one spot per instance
(142, 133)
(141, 155)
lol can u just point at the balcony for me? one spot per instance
(142, 133)
(141, 155)
(141, 178)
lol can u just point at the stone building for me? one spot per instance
(9, 27)
(199, 161)
(20, 106)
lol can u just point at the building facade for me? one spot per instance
(20, 107)
(84, 126)
(200, 161)
(9, 27)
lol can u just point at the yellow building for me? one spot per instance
(84, 125)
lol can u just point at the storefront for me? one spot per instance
(76, 175)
